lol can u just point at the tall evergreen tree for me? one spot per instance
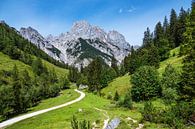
(161, 41)
(147, 40)
(17, 91)
(94, 74)
(158, 34)
(115, 66)
(132, 61)
(166, 27)
(173, 28)
(38, 67)
(181, 27)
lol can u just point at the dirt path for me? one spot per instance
(106, 115)
(26, 116)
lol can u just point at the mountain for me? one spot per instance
(35, 37)
(81, 44)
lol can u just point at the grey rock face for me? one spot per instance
(80, 44)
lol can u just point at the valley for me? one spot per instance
(98, 73)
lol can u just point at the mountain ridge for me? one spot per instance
(111, 44)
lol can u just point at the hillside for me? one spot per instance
(122, 84)
(27, 74)
(7, 64)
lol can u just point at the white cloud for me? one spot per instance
(126, 10)
(120, 10)
(131, 9)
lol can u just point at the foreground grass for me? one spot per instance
(61, 118)
(65, 96)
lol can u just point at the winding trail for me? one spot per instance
(106, 115)
(26, 116)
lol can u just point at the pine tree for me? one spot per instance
(166, 27)
(74, 74)
(161, 41)
(52, 76)
(116, 96)
(94, 74)
(173, 28)
(181, 27)
(158, 34)
(38, 67)
(126, 63)
(132, 61)
(17, 87)
(128, 103)
(153, 58)
(122, 69)
(115, 66)
(147, 40)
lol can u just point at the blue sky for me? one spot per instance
(129, 17)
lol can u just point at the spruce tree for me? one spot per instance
(38, 67)
(132, 61)
(181, 27)
(17, 91)
(158, 34)
(147, 40)
(94, 74)
(166, 27)
(173, 28)
(116, 96)
(115, 66)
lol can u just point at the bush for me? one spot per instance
(169, 84)
(109, 97)
(80, 125)
(128, 101)
(145, 83)
(148, 112)
(65, 83)
(116, 96)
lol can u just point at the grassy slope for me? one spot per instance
(6, 63)
(122, 84)
(174, 60)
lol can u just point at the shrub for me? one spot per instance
(148, 112)
(80, 125)
(116, 96)
(169, 84)
(109, 97)
(145, 83)
(128, 101)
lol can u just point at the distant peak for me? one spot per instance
(81, 22)
(2, 21)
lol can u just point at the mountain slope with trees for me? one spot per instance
(27, 74)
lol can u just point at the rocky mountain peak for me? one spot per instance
(118, 39)
(81, 44)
